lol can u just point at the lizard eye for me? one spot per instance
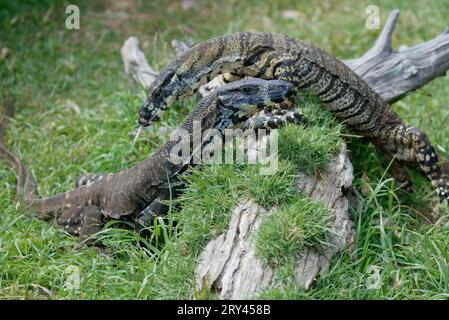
(249, 90)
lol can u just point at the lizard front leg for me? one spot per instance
(274, 119)
(92, 223)
(145, 218)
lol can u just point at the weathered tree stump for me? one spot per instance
(228, 264)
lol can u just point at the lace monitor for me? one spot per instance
(340, 90)
(140, 191)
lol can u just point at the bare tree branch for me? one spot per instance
(136, 65)
(393, 74)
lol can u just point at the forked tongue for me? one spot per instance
(135, 138)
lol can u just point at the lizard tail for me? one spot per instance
(26, 184)
(27, 187)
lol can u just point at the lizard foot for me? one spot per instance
(274, 119)
(70, 220)
(145, 219)
(92, 223)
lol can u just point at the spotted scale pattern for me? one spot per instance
(340, 90)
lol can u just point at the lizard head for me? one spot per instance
(170, 85)
(246, 97)
(159, 97)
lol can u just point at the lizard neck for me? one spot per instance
(176, 155)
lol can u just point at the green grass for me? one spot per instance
(310, 148)
(48, 66)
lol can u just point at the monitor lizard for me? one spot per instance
(309, 68)
(140, 191)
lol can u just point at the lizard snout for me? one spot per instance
(280, 90)
(146, 117)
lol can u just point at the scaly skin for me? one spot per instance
(140, 191)
(340, 90)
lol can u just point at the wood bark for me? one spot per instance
(229, 264)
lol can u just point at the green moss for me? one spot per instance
(212, 193)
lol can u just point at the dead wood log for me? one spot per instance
(228, 264)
